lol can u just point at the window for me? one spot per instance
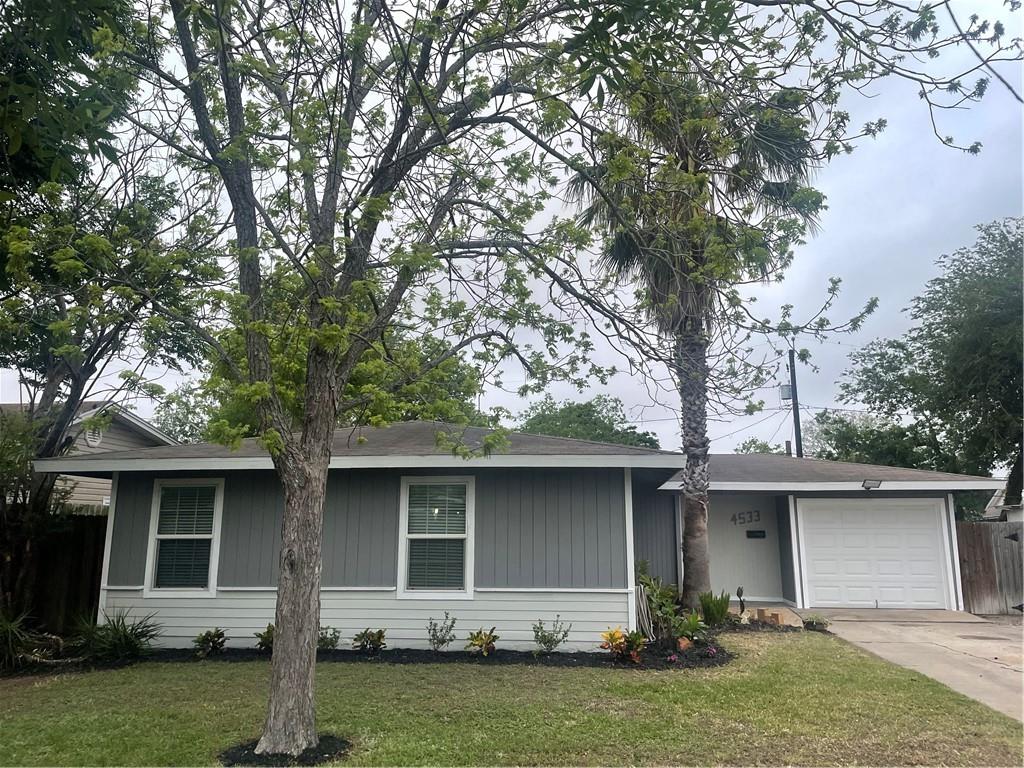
(436, 537)
(184, 534)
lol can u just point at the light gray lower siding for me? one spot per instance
(241, 613)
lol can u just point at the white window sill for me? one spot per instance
(415, 594)
(179, 593)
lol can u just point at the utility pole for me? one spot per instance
(796, 404)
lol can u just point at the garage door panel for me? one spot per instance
(885, 552)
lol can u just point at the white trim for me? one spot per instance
(218, 508)
(734, 599)
(108, 538)
(802, 545)
(121, 588)
(630, 551)
(968, 484)
(73, 464)
(570, 590)
(466, 593)
(958, 587)
(222, 588)
(797, 549)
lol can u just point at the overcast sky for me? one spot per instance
(895, 205)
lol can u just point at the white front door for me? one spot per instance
(874, 553)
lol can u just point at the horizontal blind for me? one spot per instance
(186, 509)
(437, 563)
(182, 563)
(437, 509)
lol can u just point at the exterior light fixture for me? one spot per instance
(869, 485)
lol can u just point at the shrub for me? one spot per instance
(265, 639)
(440, 636)
(16, 640)
(692, 627)
(624, 646)
(369, 641)
(209, 642)
(816, 622)
(327, 638)
(665, 615)
(548, 640)
(482, 641)
(715, 610)
(118, 638)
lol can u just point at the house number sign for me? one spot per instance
(746, 518)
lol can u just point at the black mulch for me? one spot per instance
(698, 656)
(328, 749)
(762, 626)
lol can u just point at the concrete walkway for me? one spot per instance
(978, 658)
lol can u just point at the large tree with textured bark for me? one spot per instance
(376, 159)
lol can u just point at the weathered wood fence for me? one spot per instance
(70, 568)
(991, 566)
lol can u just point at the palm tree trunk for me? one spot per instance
(691, 356)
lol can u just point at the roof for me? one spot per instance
(774, 472)
(415, 444)
(89, 408)
(404, 444)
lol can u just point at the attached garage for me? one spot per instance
(876, 553)
(827, 534)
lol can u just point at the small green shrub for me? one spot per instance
(369, 641)
(691, 627)
(817, 622)
(548, 640)
(16, 640)
(265, 639)
(665, 616)
(118, 638)
(624, 646)
(209, 642)
(327, 638)
(441, 635)
(715, 610)
(482, 641)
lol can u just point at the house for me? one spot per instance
(550, 526)
(125, 431)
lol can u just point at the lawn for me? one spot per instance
(801, 698)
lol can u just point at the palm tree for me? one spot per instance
(699, 192)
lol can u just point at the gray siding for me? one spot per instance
(786, 572)
(550, 528)
(655, 539)
(92, 491)
(534, 528)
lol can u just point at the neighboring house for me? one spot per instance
(551, 526)
(999, 512)
(124, 432)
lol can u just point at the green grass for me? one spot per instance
(801, 698)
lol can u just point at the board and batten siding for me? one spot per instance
(655, 534)
(541, 536)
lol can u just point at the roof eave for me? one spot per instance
(72, 465)
(967, 484)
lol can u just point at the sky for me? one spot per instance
(894, 206)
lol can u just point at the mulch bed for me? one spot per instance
(762, 626)
(327, 750)
(652, 659)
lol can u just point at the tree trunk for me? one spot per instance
(290, 726)
(1016, 478)
(692, 380)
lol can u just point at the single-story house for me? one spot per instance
(550, 526)
(123, 431)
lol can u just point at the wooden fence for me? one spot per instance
(70, 568)
(991, 566)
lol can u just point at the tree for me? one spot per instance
(68, 313)
(756, 445)
(955, 377)
(602, 419)
(375, 160)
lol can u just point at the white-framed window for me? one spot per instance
(184, 538)
(435, 538)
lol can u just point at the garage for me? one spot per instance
(875, 553)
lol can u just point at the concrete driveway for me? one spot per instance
(978, 658)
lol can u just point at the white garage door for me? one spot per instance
(878, 553)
